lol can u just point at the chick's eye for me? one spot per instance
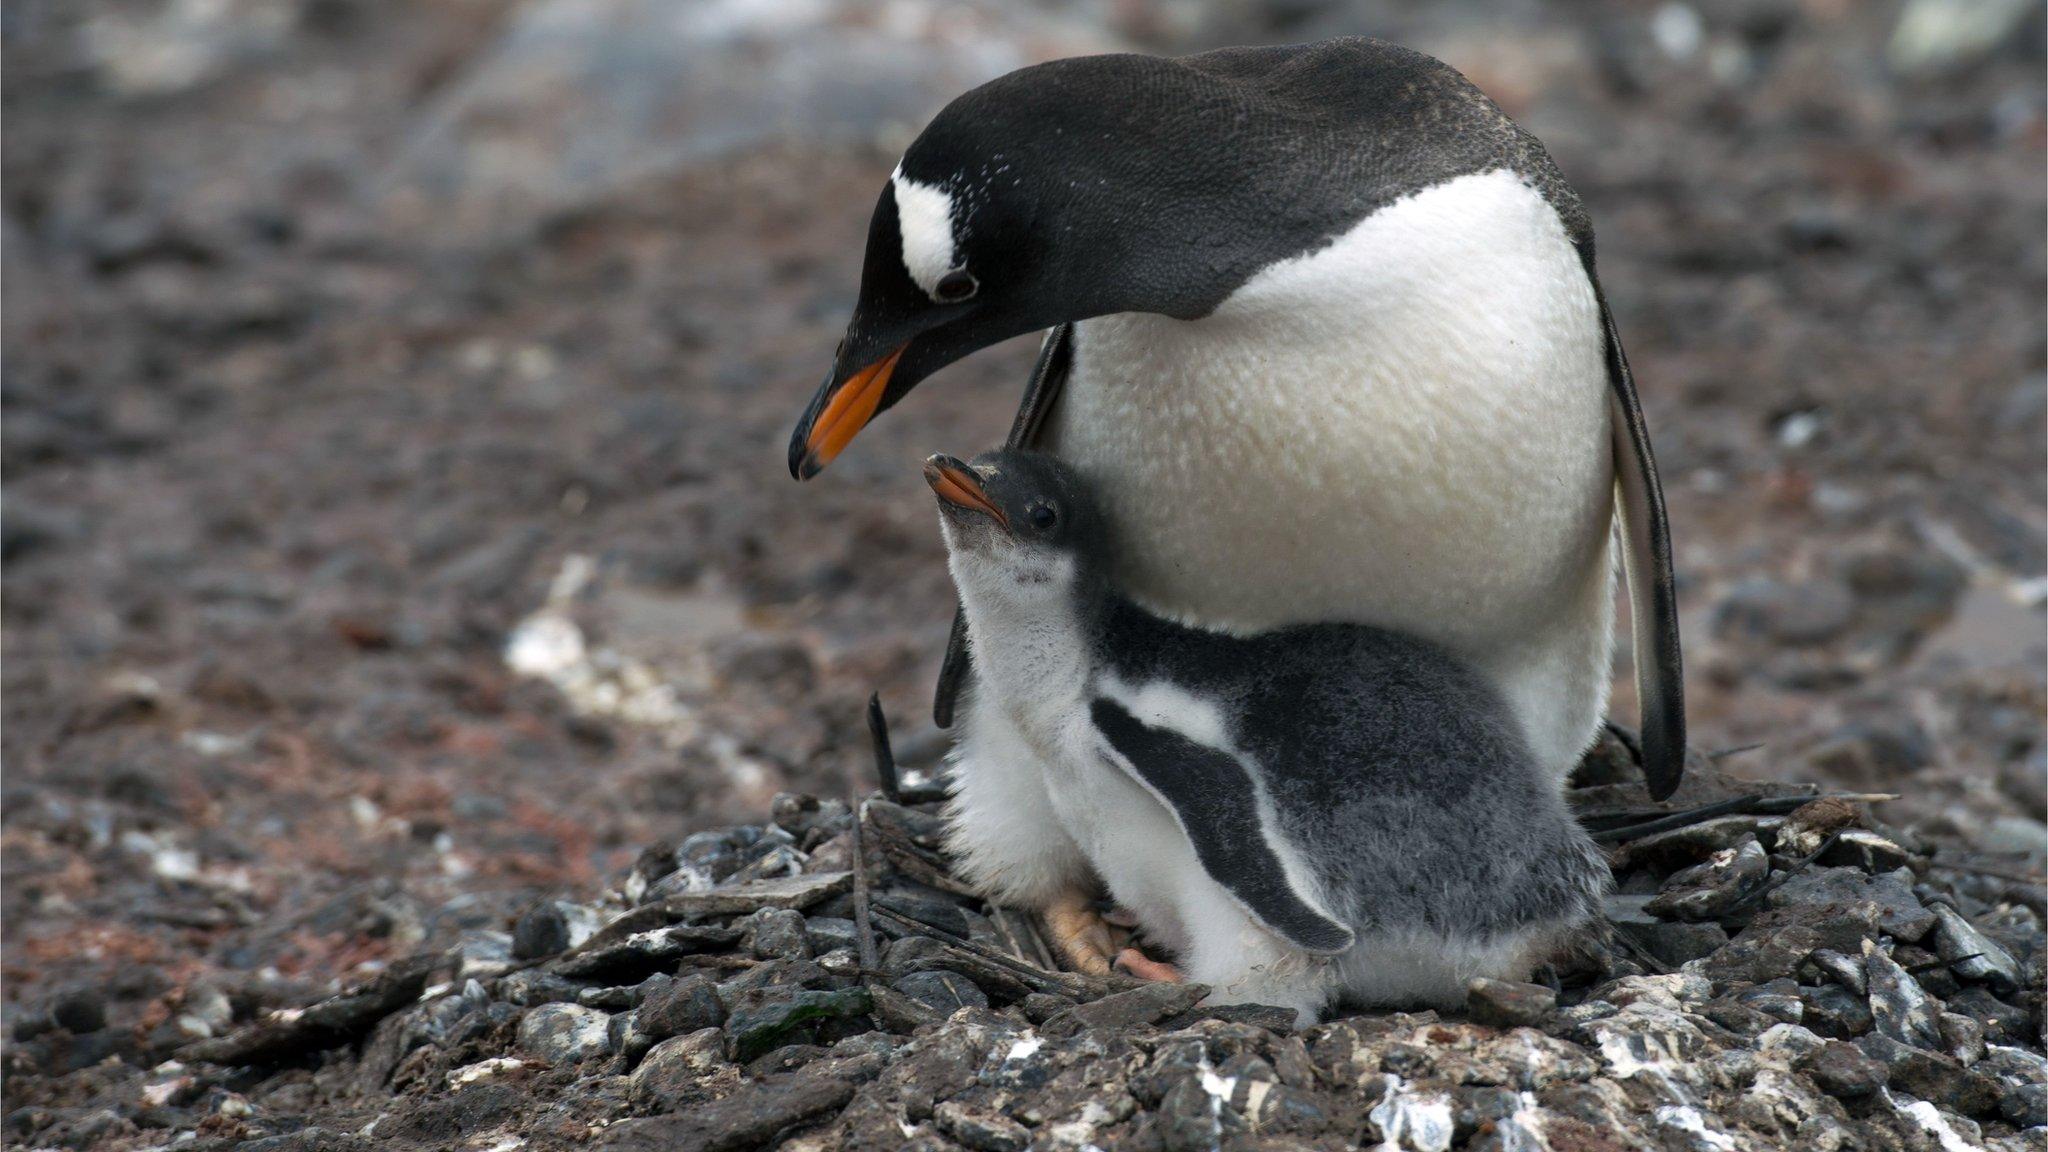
(957, 285)
(1043, 517)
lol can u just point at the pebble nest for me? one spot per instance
(1777, 972)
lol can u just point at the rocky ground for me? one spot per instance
(397, 544)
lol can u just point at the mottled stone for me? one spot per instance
(673, 1007)
(1901, 1009)
(565, 1033)
(1126, 1010)
(1843, 1070)
(1885, 901)
(1507, 1004)
(672, 1071)
(778, 933)
(1706, 891)
(981, 1129)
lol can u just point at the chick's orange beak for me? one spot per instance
(847, 411)
(956, 484)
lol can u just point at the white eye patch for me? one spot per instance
(924, 214)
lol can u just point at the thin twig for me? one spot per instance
(1705, 812)
(1656, 966)
(1737, 750)
(864, 928)
(1030, 973)
(885, 758)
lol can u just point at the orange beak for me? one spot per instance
(956, 484)
(852, 405)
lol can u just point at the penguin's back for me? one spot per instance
(1399, 776)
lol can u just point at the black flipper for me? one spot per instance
(1215, 802)
(1646, 557)
(1047, 378)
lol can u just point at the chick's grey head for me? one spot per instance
(1018, 525)
(1056, 193)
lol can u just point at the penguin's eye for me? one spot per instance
(955, 286)
(1043, 517)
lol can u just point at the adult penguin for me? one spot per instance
(1327, 338)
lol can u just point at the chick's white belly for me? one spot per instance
(1137, 850)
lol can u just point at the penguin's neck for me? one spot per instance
(1033, 629)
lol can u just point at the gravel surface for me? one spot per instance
(397, 543)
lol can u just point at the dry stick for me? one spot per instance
(885, 766)
(1629, 832)
(1750, 805)
(1724, 753)
(1028, 972)
(885, 759)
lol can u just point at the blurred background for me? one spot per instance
(396, 523)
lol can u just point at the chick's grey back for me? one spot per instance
(1400, 776)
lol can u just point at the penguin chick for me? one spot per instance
(1320, 813)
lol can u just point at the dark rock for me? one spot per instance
(533, 987)
(563, 1034)
(981, 1129)
(2003, 1023)
(787, 1058)
(1885, 901)
(943, 992)
(1930, 970)
(328, 1024)
(1126, 1010)
(1901, 1009)
(765, 1019)
(1832, 1010)
(1270, 1017)
(1844, 970)
(2025, 1106)
(779, 933)
(912, 954)
(1672, 943)
(941, 914)
(830, 933)
(678, 1007)
(79, 1010)
(1042, 1006)
(747, 1118)
(901, 1014)
(1778, 999)
(1932, 1076)
(542, 931)
(1707, 890)
(1189, 1119)
(1507, 1004)
(644, 953)
(1971, 954)
(1843, 1070)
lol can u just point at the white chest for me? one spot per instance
(1407, 427)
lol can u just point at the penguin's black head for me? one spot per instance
(1054, 194)
(1021, 510)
